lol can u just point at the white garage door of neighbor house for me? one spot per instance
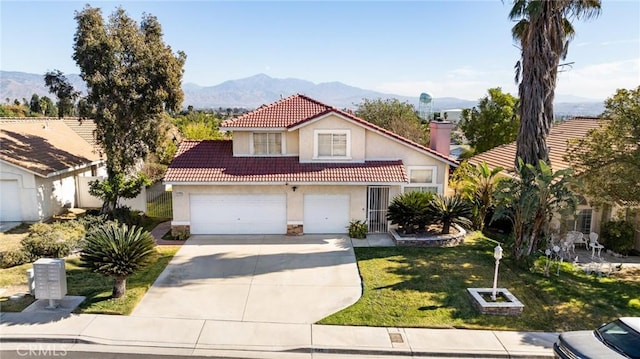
(10, 201)
(326, 213)
(238, 214)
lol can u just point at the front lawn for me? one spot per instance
(426, 287)
(97, 288)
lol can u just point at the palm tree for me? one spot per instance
(450, 210)
(478, 186)
(543, 30)
(117, 251)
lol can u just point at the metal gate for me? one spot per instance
(378, 204)
(159, 202)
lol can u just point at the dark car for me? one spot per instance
(618, 339)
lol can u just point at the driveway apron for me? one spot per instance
(256, 278)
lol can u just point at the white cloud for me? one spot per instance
(465, 83)
(599, 81)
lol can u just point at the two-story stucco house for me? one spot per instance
(300, 166)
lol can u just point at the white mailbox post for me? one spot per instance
(50, 280)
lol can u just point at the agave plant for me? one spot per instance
(409, 211)
(450, 210)
(117, 251)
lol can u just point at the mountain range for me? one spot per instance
(254, 91)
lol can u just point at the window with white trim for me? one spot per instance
(332, 144)
(422, 179)
(581, 222)
(267, 143)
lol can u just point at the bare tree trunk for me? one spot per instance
(119, 287)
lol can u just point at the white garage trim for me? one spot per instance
(324, 213)
(10, 210)
(238, 214)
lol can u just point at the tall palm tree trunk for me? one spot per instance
(541, 52)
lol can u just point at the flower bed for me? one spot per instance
(431, 238)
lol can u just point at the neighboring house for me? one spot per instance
(300, 166)
(41, 163)
(587, 218)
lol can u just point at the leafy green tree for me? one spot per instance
(48, 107)
(477, 185)
(34, 104)
(543, 29)
(113, 188)
(409, 211)
(198, 125)
(448, 211)
(398, 117)
(117, 251)
(60, 86)
(132, 78)
(529, 200)
(608, 159)
(492, 123)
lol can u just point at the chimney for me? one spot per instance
(440, 137)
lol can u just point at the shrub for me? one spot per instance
(618, 236)
(450, 210)
(358, 229)
(409, 211)
(125, 215)
(93, 222)
(118, 251)
(13, 258)
(55, 240)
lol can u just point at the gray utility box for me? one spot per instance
(50, 278)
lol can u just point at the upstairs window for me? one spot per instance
(332, 144)
(267, 143)
(422, 179)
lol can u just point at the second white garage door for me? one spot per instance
(238, 214)
(326, 213)
(10, 201)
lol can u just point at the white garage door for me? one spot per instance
(238, 214)
(10, 202)
(326, 213)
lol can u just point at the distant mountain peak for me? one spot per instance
(259, 89)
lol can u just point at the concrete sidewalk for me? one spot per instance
(195, 337)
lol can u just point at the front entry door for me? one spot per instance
(378, 203)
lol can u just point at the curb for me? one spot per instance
(302, 350)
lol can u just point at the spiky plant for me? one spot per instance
(409, 211)
(117, 251)
(450, 210)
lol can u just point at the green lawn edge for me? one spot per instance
(426, 287)
(95, 287)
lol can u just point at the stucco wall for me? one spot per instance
(242, 143)
(332, 122)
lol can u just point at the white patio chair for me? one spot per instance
(578, 238)
(593, 243)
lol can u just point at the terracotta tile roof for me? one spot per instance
(43, 145)
(296, 110)
(504, 156)
(213, 161)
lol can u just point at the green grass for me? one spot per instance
(10, 240)
(426, 287)
(96, 288)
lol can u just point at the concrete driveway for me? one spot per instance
(256, 278)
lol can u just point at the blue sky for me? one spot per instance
(446, 48)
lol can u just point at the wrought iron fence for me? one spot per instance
(159, 202)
